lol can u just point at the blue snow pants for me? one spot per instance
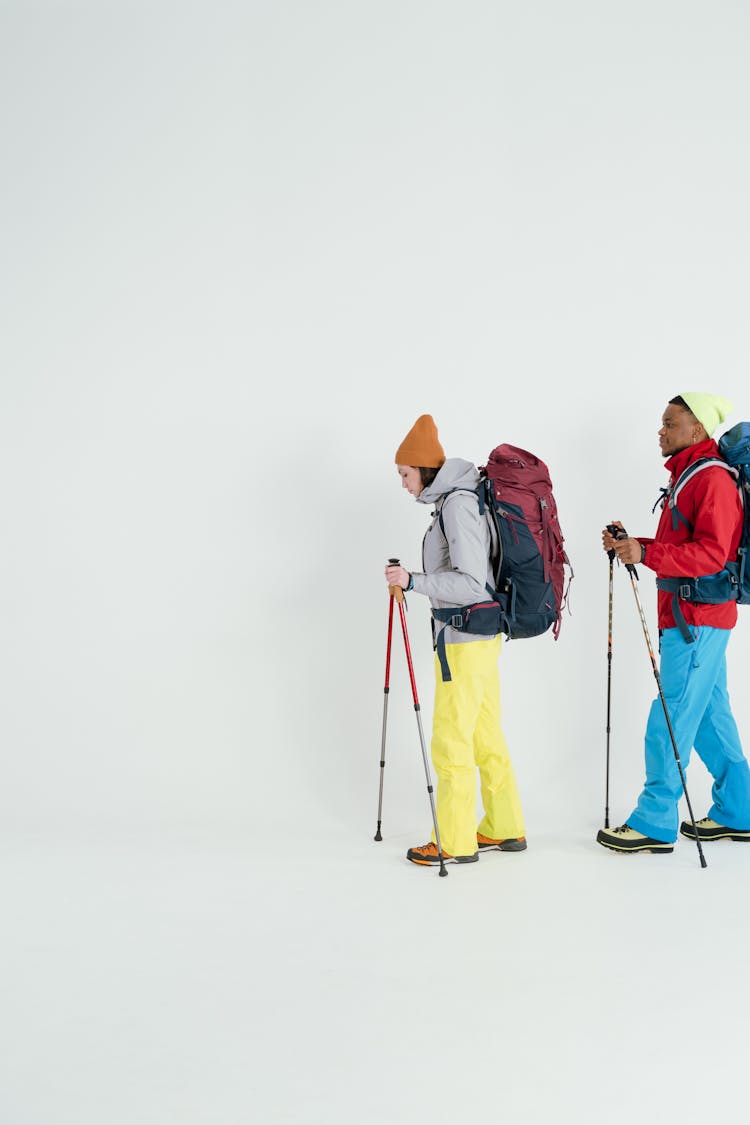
(694, 682)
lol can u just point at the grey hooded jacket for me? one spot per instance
(456, 564)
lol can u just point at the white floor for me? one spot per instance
(182, 980)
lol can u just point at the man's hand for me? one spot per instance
(608, 539)
(628, 550)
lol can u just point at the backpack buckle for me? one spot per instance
(684, 592)
(457, 621)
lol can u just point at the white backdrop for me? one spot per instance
(245, 245)
(245, 248)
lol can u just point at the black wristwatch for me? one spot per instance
(410, 585)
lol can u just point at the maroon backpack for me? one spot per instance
(528, 555)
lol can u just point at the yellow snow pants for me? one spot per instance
(466, 735)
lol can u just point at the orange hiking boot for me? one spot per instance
(488, 845)
(428, 856)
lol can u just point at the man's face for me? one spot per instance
(679, 429)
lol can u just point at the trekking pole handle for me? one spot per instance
(395, 591)
(620, 533)
(613, 531)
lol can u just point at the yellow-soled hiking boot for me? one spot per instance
(427, 856)
(710, 830)
(626, 839)
(486, 844)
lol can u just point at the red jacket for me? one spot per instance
(711, 502)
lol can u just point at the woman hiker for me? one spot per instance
(466, 730)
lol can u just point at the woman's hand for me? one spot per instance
(397, 576)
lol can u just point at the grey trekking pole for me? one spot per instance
(620, 533)
(386, 689)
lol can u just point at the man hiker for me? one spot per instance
(699, 531)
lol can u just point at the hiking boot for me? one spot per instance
(709, 830)
(486, 844)
(428, 856)
(626, 839)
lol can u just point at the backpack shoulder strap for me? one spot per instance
(690, 472)
(447, 496)
(671, 494)
(487, 512)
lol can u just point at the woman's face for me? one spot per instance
(411, 479)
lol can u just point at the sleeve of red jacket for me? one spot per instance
(713, 507)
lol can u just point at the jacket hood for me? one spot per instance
(454, 473)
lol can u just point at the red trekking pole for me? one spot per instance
(397, 594)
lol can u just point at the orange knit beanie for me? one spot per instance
(421, 447)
